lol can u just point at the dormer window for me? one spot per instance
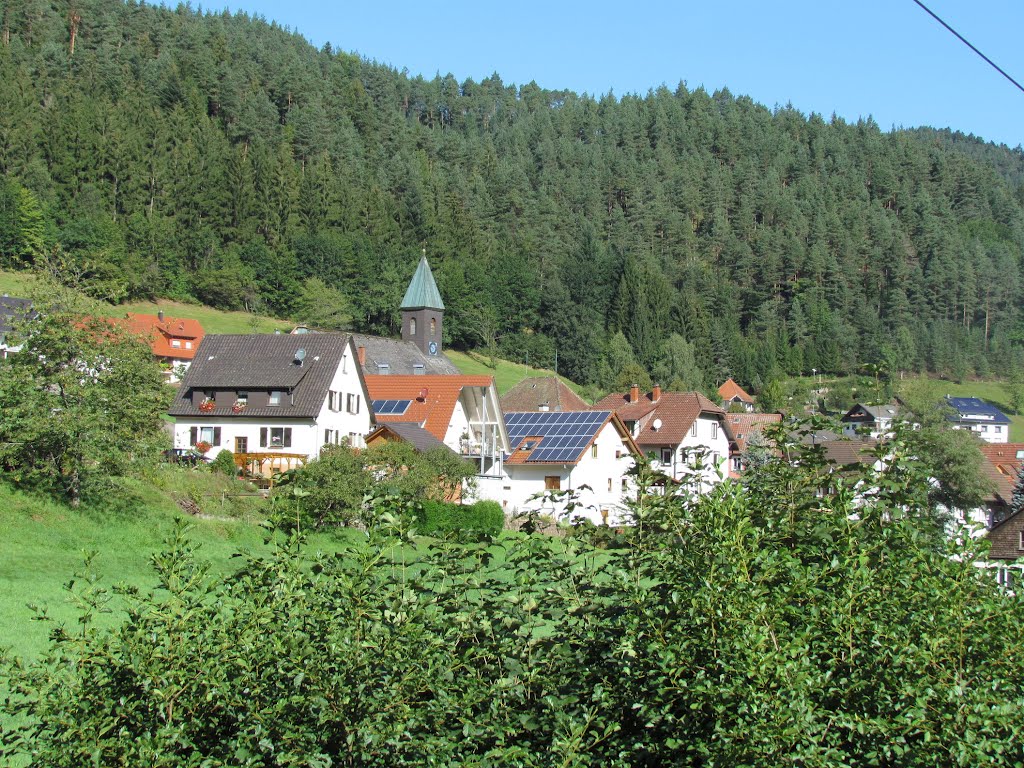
(176, 343)
(383, 369)
(275, 397)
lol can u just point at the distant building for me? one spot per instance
(13, 312)
(732, 394)
(174, 341)
(875, 421)
(677, 430)
(741, 427)
(981, 418)
(543, 393)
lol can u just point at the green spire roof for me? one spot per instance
(422, 292)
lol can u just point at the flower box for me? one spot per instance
(207, 405)
(202, 446)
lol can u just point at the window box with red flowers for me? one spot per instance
(238, 406)
(202, 446)
(207, 405)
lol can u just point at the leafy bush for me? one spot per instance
(224, 462)
(435, 517)
(763, 624)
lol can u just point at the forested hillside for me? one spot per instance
(223, 158)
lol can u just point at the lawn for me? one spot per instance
(24, 284)
(506, 374)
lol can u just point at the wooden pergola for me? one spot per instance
(266, 463)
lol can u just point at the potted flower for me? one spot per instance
(207, 405)
(202, 446)
(238, 406)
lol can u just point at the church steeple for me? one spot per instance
(423, 310)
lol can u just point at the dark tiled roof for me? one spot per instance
(530, 394)
(413, 434)
(401, 357)
(264, 362)
(876, 412)
(14, 310)
(974, 409)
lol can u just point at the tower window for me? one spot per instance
(433, 325)
(412, 326)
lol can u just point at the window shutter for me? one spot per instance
(287, 442)
(263, 437)
(193, 435)
(216, 435)
(327, 436)
(358, 398)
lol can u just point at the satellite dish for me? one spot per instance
(423, 394)
(300, 355)
(656, 425)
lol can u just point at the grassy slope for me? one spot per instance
(213, 320)
(44, 543)
(505, 373)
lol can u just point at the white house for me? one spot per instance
(13, 312)
(461, 411)
(875, 421)
(272, 400)
(683, 433)
(585, 452)
(983, 419)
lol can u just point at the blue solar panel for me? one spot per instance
(564, 434)
(390, 407)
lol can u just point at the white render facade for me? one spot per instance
(603, 467)
(330, 407)
(705, 438)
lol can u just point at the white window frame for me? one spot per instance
(206, 435)
(351, 398)
(714, 430)
(176, 343)
(277, 442)
(274, 398)
(693, 428)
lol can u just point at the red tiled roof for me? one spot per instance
(677, 411)
(1001, 467)
(730, 390)
(161, 332)
(434, 411)
(741, 426)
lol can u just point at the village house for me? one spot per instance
(741, 428)
(174, 341)
(462, 412)
(732, 394)
(13, 312)
(875, 421)
(983, 419)
(542, 393)
(272, 400)
(566, 457)
(683, 433)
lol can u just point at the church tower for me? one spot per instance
(423, 310)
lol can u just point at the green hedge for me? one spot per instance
(435, 517)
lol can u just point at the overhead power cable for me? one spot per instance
(964, 40)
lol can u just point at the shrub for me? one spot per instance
(224, 462)
(436, 517)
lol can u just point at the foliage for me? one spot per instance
(186, 154)
(224, 462)
(760, 625)
(81, 401)
(483, 516)
(330, 490)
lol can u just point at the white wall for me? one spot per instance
(307, 434)
(710, 434)
(607, 469)
(988, 432)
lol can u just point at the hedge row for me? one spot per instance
(435, 517)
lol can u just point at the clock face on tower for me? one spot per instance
(432, 347)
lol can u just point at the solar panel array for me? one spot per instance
(390, 407)
(565, 434)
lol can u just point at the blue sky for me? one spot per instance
(884, 58)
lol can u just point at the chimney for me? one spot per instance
(634, 392)
(361, 354)
(160, 315)
(656, 393)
